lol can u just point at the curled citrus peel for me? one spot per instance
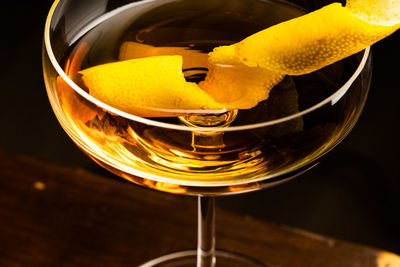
(242, 74)
(236, 85)
(222, 83)
(149, 87)
(310, 42)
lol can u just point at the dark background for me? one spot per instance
(354, 194)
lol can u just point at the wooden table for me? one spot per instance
(58, 216)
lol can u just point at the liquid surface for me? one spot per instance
(173, 160)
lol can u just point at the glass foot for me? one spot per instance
(188, 259)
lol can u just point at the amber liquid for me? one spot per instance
(184, 161)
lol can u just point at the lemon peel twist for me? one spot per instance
(147, 87)
(236, 85)
(317, 39)
(241, 75)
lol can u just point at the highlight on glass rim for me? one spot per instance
(212, 98)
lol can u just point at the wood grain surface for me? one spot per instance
(54, 215)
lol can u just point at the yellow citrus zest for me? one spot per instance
(242, 74)
(380, 12)
(310, 42)
(229, 82)
(236, 85)
(224, 55)
(150, 87)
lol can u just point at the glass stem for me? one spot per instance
(206, 232)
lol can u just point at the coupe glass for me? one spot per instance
(286, 135)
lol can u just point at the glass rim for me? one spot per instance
(333, 98)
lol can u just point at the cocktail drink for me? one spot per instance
(232, 135)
